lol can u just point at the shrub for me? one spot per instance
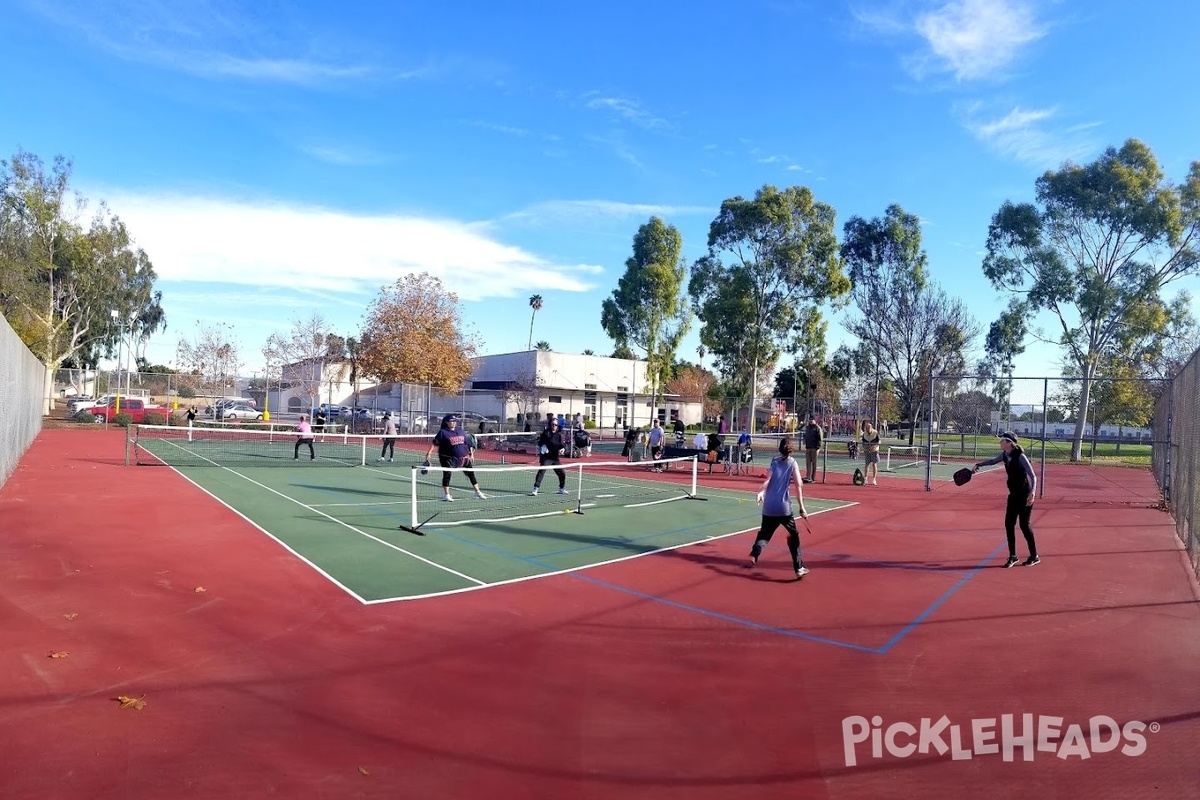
(187, 391)
(83, 415)
(154, 418)
(123, 420)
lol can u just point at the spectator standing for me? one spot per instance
(870, 442)
(657, 442)
(813, 437)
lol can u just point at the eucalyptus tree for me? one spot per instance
(648, 310)
(1101, 242)
(69, 293)
(772, 262)
(914, 328)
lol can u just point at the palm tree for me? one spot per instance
(543, 345)
(700, 351)
(535, 303)
(589, 352)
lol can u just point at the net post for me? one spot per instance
(579, 489)
(128, 434)
(412, 477)
(695, 473)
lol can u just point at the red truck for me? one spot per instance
(135, 407)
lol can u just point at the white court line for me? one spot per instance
(362, 533)
(722, 492)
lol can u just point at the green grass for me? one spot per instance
(1057, 450)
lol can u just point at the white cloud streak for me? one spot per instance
(1030, 137)
(200, 239)
(976, 39)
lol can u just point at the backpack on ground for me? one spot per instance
(859, 478)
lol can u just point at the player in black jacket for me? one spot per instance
(551, 443)
(1021, 484)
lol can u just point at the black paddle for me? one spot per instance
(963, 476)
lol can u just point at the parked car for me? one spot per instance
(80, 402)
(240, 411)
(135, 407)
(414, 422)
(330, 410)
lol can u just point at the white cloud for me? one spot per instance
(344, 156)
(587, 212)
(201, 239)
(976, 38)
(629, 110)
(210, 40)
(1030, 136)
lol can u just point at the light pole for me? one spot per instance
(120, 343)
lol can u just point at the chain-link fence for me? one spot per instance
(1097, 426)
(22, 388)
(1177, 467)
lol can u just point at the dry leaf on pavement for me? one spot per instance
(136, 703)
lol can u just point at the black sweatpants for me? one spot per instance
(1016, 511)
(311, 453)
(769, 525)
(561, 473)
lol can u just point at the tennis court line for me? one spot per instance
(278, 541)
(569, 570)
(907, 629)
(346, 525)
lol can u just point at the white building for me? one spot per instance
(510, 388)
(609, 392)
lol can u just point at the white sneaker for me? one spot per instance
(563, 491)
(379, 459)
(389, 459)
(874, 482)
(800, 573)
(480, 495)
(534, 492)
(447, 498)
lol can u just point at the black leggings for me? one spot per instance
(1016, 510)
(561, 473)
(769, 525)
(389, 448)
(450, 463)
(311, 453)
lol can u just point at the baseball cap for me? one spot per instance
(1009, 436)
(449, 417)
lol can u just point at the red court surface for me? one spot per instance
(677, 675)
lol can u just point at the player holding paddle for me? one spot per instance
(1021, 485)
(454, 450)
(775, 499)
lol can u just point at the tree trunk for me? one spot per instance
(1085, 397)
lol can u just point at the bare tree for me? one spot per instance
(298, 356)
(212, 354)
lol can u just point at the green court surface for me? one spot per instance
(346, 522)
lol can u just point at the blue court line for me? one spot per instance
(946, 596)
(874, 563)
(746, 623)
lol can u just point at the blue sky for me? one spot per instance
(276, 159)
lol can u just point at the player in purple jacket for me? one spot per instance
(453, 447)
